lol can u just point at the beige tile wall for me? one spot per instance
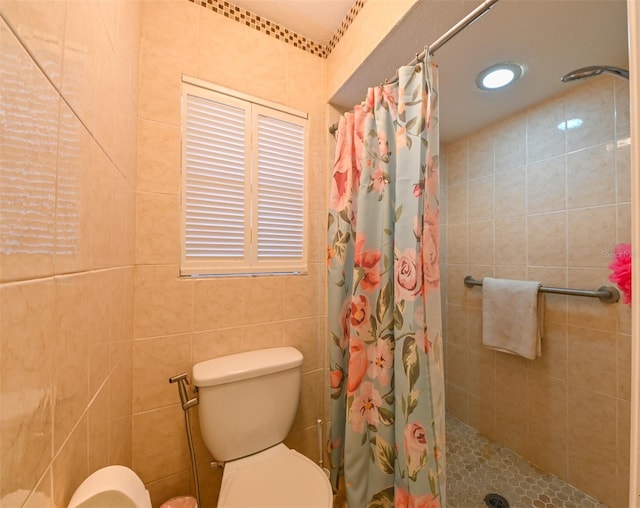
(528, 201)
(67, 205)
(178, 322)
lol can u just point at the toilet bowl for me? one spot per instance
(275, 478)
(247, 405)
(111, 486)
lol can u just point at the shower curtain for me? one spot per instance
(385, 346)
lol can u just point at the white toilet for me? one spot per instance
(248, 402)
(111, 486)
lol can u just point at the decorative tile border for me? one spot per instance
(272, 29)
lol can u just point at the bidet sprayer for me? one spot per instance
(183, 381)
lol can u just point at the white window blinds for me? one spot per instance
(243, 186)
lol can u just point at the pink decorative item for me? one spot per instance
(621, 270)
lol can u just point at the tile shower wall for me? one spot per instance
(67, 247)
(179, 322)
(529, 201)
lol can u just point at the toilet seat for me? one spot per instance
(275, 478)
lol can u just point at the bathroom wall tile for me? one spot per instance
(26, 346)
(120, 441)
(457, 402)
(172, 26)
(40, 27)
(70, 466)
(71, 353)
(623, 224)
(176, 485)
(546, 239)
(593, 103)
(42, 495)
(591, 231)
(544, 139)
(482, 416)
(318, 181)
(474, 294)
(121, 304)
(457, 366)
(457, 244)
(510, 247)
(302, 334)
(510, 193)
(456, 329)
(590, 312)
(592, 359)
(271, 76)
(215, 343)
(480, 199)
(548, 425)
(622, 108)
(592, 443)
(305, 72)
(624, 366)
(510, 272)
(163, 303)
(210, 482)
(546, 185)
(158, 158)
(482, 374)
(474, 329)
(309, 403)
(262, 336)
(456, 156)
(264, 300)
(120, 387)
(623, 432)
(299, 300)
(98, 430)
(123, 224)
(511, 414)
(481, 243)
(305, 441)
(158, 229)
(100, 223)
(481, 154)
(511, 143)
(591, 177)
(159, 444)
(555, 305)
(28, 171)
(154, 362)
(553, 362)
(160, 84)
(623, 173)
(220, 302)
(457, 203)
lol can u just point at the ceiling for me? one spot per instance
(549, 37)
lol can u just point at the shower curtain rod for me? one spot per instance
(474, 15)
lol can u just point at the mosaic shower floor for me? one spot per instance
(477, 467)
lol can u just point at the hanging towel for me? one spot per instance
(512, 316)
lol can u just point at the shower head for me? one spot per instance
(594, 70)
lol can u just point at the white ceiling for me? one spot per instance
(550, 37)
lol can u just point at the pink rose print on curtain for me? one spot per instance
(367, 263)
(415, 446)
(380, 362)
(405, 500)
(360, 311)
(430, 248)
(365, 407)
(358, 363)
(408, 278)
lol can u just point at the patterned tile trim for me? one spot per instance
(272, 29)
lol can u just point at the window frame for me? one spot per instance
(250, 264)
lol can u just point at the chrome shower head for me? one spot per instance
(594, 70)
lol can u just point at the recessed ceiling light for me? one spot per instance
(498, 76)
(572, 123)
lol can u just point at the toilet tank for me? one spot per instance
(248, 401)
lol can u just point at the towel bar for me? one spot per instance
(606, 294)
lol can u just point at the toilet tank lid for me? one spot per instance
(250, 364)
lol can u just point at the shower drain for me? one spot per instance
(496, 501)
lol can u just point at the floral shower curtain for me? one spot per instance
(385, 347)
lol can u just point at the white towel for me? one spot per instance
(512, 316)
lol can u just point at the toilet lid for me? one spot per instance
(276, 478)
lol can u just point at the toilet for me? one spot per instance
(248, 402)
(116, 486)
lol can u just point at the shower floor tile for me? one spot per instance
(477, 467)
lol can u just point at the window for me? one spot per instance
(243, 184)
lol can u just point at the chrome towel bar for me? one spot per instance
(606, 294)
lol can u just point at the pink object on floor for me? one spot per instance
(180, 502)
